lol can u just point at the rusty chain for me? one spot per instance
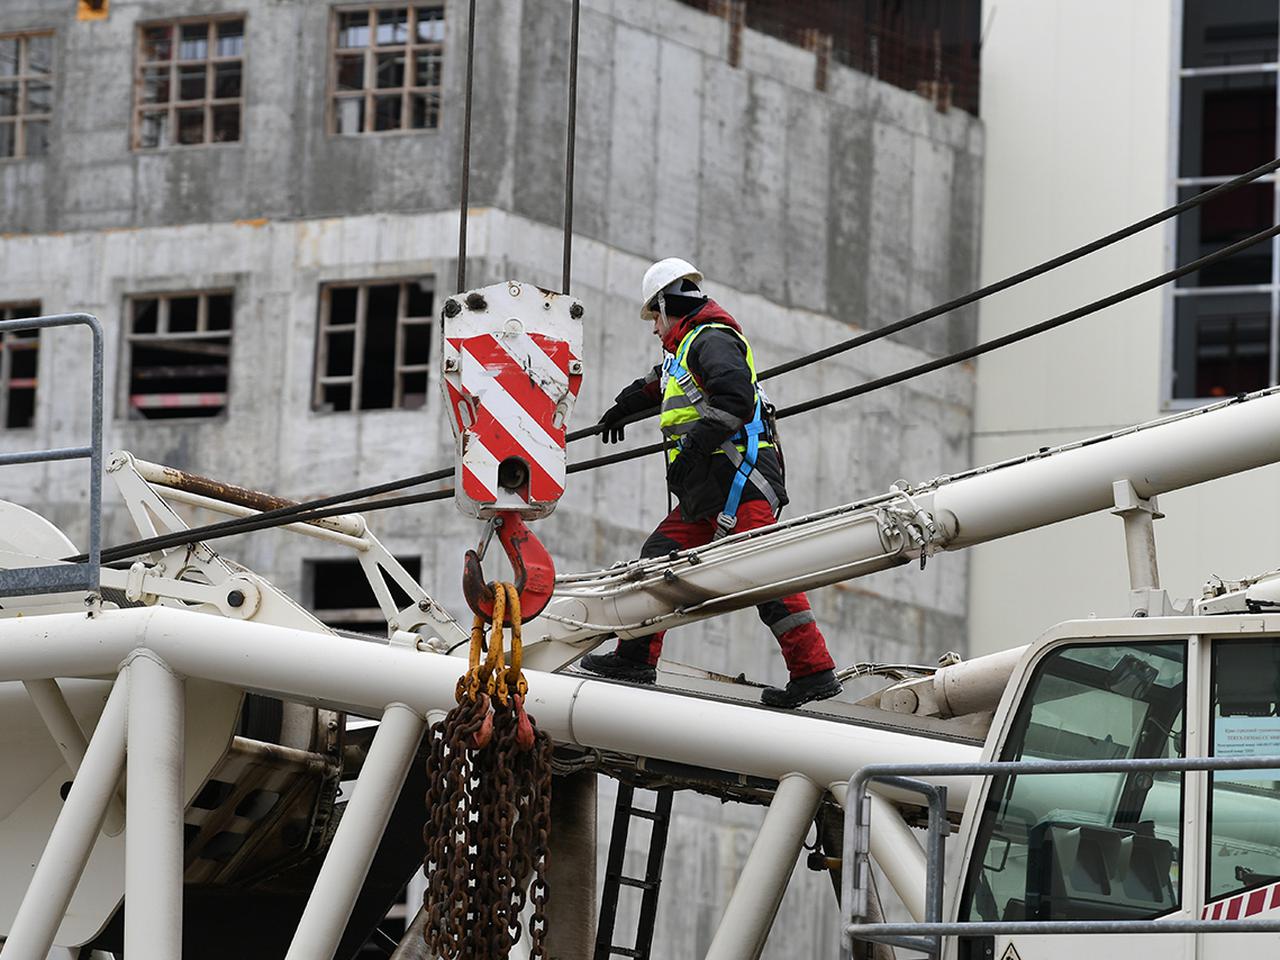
(488, 806)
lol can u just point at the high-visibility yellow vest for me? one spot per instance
(682, 399)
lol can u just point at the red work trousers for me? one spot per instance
(790, 619)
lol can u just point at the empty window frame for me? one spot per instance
(26, 94)
(385, 69)
(1226, 318)
(188, 86)
(19, 361)
(373, 351)
(342, 598)
(179, 353)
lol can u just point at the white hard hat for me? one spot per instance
(661, 275)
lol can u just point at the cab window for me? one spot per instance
(1086, 846)
(1244, 812)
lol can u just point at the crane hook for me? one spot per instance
(535, 573)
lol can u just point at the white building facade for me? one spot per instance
(1099, 114)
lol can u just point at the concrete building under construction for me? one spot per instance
(258, 198)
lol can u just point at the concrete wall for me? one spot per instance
(813, 215)
(1078, 100)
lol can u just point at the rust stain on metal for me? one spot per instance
(226, 492)
(253, 222)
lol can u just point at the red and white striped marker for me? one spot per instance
(512, 371)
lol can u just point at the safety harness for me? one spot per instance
(742, 448)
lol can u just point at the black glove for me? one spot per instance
(612, 423)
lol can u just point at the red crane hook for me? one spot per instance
(535, 574)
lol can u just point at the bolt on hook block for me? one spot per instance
(512, 368)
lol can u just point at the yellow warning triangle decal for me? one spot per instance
(1010, 953)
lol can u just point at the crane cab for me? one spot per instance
(1137, 845)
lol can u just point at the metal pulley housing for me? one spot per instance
(512, 367)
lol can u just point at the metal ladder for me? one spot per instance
(614, 879)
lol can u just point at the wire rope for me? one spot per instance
(319, 510)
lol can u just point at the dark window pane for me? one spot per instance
(194, 44)
(393, 27)
(19, 313)
(184, 314)
(8, 139)
(413, 390)
(9, 99)
(417, 343)
(155, 85)
(390, 72)
(23, 362)
(191, 82)
(226, 80)
(421, 300)
(1216, 34)
(351, 72)
(386, 112)
(427, 72)
(340, 354)
(348, 114)
(424, 110)
(430, 24)
(377, 372)
(219, 315)
(39, 54)
(1228, 124)
(9, 57)
(191, 125)
(342, 305)
(1221, 222)
(37, 138)
(153, 130)
(39, 97)
(230, 38)
(146, 314)
(157, 43)
(22, 408)
(336, 396)
(353, 29)
(226, 124)
(1221, 345)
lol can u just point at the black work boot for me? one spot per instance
(816, 686)
(617, 667)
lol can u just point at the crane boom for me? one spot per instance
(948, 513)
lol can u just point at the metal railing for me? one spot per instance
(65, 577)
(927, 936)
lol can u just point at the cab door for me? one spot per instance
(1080, 847)
(1240, 829)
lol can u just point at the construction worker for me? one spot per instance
(722, 464)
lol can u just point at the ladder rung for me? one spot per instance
(634, 882)
(624, 952)
(646, 814)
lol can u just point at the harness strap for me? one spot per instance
(745, 465)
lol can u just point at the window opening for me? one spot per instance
(385, 72)
(19, 365)
(1087, 846)
(343, 599)
(374, 346)
(188, 86)
(26, 94)
(179, 348)
(1226, 317)
(1244, 811)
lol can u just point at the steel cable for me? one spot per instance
(306, 512)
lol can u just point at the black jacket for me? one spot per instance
(718, 361)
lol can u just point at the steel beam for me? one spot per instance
(571, 866)
(356, 840)
(74, 834)
(748, 918)
(46, 696)
(153, 819)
